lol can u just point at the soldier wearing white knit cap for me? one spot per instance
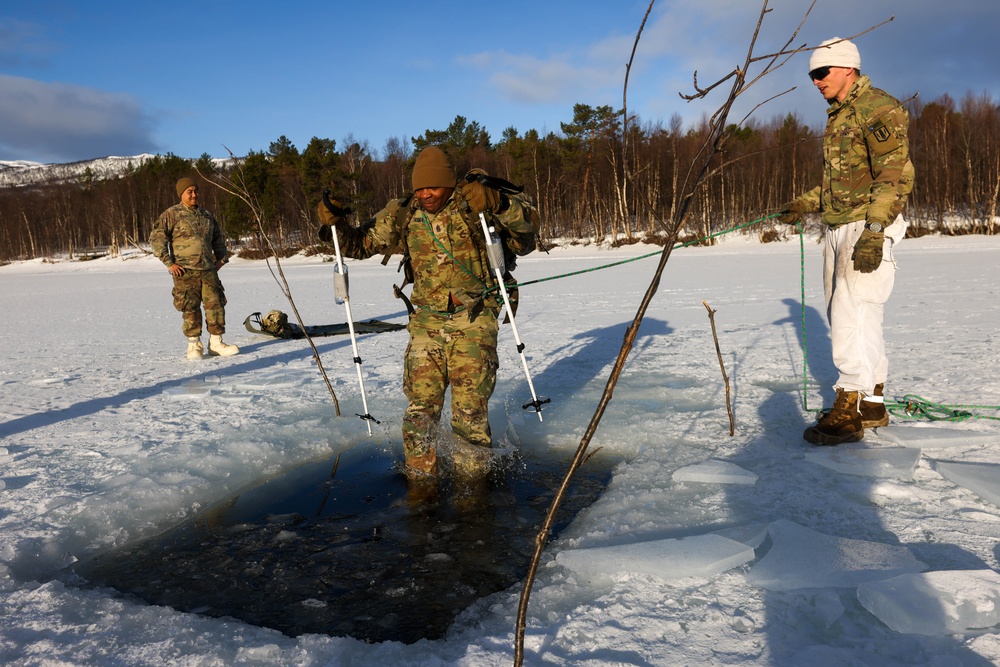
(867, 176)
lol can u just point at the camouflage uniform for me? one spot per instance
(453, 333)
(193, 239)
(867, 176)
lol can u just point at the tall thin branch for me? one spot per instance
(700, 169)
(237, 188)
(725, 378)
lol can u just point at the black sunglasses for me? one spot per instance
(819, 73)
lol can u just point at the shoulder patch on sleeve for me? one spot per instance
(881, 138)
(880, 132)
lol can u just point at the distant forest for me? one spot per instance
(584, 183)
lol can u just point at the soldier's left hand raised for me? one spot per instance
(481, 198)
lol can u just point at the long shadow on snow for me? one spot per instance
(210, 369)
(829, 625)
(818, 350)
(584, 357)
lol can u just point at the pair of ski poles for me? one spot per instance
(495, 256)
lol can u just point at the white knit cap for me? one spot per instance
(841, 54)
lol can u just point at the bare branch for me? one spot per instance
(725, 378)
(238, 189)
(702, 168)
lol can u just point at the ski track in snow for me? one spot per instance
(109, 434)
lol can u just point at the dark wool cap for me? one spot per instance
(184, 184)
(433, 169)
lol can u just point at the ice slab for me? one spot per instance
(714, 471)
(936, 437)
(47, 382)
(192, 389)
(894, 462)
(275, 380)
(752, 535)
(935, 603)
(804, 558)
(983, 479)
(697, 556)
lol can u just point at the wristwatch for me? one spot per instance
(874, 226)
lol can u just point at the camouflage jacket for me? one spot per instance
(446, 250)
(867, 172)
(188, 236)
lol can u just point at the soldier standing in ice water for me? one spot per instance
(453, 329)
(190, 243)
(867, 176)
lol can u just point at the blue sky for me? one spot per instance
(80, 80)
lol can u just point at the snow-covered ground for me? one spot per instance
(109, 434)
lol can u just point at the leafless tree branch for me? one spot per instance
(236, 187)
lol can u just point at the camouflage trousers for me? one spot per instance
(195, 289)
(445, 351)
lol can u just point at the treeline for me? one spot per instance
(597, 179)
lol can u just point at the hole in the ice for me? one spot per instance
(344, 548)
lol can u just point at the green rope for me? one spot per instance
(915, 407)
(910, 407)
(516, 284)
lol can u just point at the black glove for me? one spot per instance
(482, 198)
(868, 251)
(791, 213)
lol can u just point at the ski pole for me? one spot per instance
(494, 252)
(341, 292)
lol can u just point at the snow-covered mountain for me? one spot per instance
(19, 173)
(22, 172)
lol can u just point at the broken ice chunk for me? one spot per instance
(935, 603)
(700, 555)
(192, 389)
(983, 479)
(714, 471)
(935, 437)
(751, 535)
(804, 558)
(894, 462)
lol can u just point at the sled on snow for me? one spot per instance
(276, 325)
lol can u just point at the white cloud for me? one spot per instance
(61, 122)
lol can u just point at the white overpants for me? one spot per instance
(855, 303)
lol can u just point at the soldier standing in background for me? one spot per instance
(453, 329)
(867, 176)
(190, 243)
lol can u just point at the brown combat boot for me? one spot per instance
(470, 462)
(842, 424)
(421, 466)
(873, 413)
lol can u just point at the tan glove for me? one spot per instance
(326, 217)
(791, 213)
(868, 251)
(328, 220)
(480, 197)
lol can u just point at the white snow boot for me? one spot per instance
(195, 349)
(217, 348)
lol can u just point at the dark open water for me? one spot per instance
(343, 547)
